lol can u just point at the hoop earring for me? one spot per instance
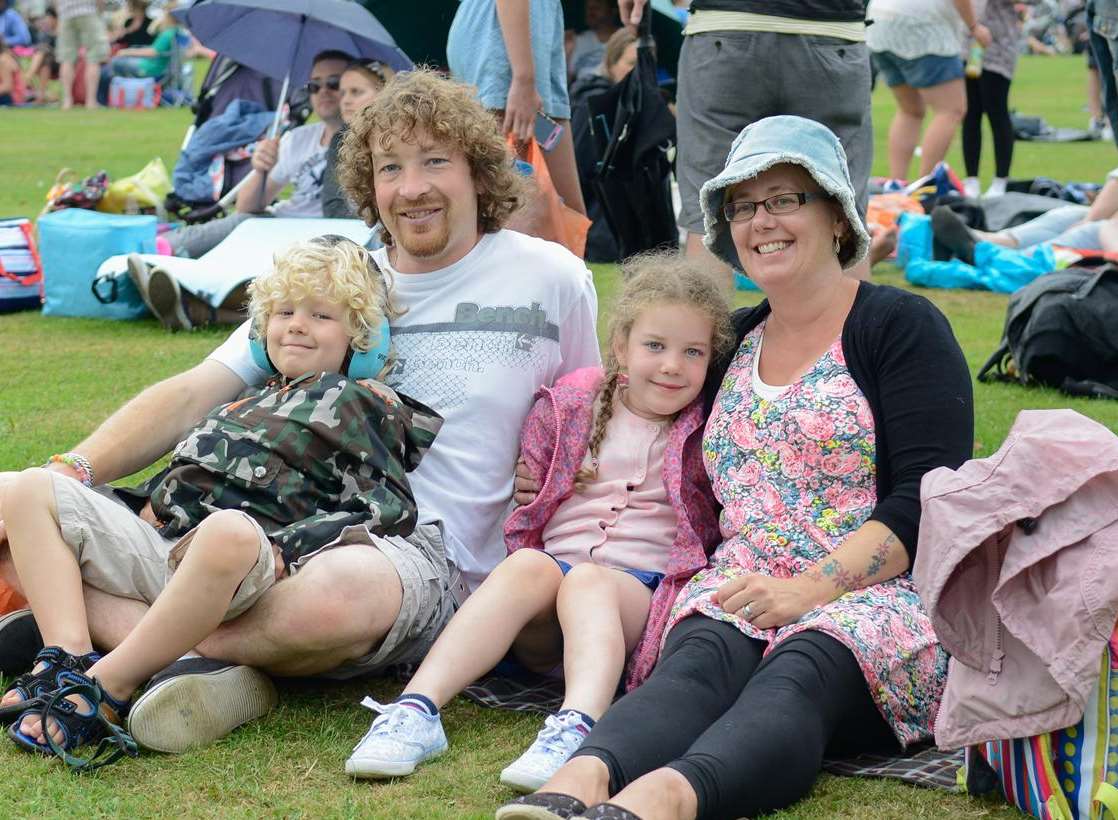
(837, 246)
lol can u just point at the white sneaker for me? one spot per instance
(997, 187)
(557, 741)
(398, 741)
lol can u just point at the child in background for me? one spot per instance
(251, 494)
(624, 500)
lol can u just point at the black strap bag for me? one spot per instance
(1061, 330)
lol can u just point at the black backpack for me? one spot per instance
(1061, 330)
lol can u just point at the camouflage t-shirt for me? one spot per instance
(305, 459)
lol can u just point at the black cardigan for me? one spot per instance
(902, 354)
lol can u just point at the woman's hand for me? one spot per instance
(768, 602)
(982, 35)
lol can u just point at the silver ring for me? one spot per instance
(747, 610)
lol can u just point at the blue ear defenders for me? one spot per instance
(358, 364)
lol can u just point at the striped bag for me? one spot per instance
(1070, 774)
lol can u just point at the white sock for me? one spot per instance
(189, 655)
(997, 186)
(972, 187)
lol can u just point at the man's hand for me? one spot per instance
(265, 155)
(525, 488)
(281, 567)
(769, 602)
(148, 514)
(631, 11)
(982, 35)
(520, 109)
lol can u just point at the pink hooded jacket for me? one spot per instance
(553, 444)
(1018, 567)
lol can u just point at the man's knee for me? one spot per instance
(346, 597)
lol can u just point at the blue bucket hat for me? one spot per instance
(773, 141)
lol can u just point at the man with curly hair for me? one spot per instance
(489, 315)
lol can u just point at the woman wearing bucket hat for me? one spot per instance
(804, 634)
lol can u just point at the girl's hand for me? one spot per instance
(768, 602)
(520, 108)
(982, 35)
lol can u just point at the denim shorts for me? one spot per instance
(476, 54)
(649, 579)
(922, 72)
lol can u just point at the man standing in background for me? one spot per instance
(80, 24)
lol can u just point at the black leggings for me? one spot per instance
(749, 735)
(988, 93)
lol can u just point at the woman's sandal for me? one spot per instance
(33, 687)
(541, 806)
(101, 719)
(607, 811)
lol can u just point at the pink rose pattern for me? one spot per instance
(795, 477)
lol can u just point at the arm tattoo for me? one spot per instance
(843, 579)
(877, 561)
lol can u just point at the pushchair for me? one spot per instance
(227, 83)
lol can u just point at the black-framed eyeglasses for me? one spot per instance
(742, 210)
(333, 83)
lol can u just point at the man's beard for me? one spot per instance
(433, 239)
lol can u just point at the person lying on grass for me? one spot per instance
(625, 501)
(249, 497)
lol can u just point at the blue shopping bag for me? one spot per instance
(73, 243)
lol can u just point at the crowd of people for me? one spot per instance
(82, 46)
(413, 453)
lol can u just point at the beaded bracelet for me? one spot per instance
(78, 463)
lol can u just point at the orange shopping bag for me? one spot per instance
(10, 600)
(545, 215)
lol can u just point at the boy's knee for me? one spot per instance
(28, 491)
(226, 541)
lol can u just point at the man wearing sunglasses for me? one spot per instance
(297, 158)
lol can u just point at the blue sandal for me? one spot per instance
(33, 687)
(101, 720)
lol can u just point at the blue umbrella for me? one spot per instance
(280, 38)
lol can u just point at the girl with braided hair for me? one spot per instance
(624, 517)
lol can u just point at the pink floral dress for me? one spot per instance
(796, 476)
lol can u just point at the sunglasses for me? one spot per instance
(332, 83)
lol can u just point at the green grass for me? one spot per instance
(60, 377)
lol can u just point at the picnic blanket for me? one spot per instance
(245, 254)
(921, 766)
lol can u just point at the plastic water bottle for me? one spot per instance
(974, 62)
